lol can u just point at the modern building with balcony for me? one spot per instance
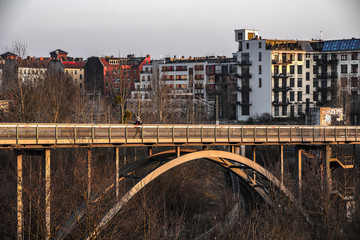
(289, 77)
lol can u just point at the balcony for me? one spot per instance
(244, 75)
(244, 88)
(320, 62)
(244, 103)
(281, 89)
(281, 103)
(281, 75)
(281, 62)
(324, 75)
(245, 62)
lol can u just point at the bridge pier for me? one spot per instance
(298, 152)
(47, 193)
(19, 194)
(328, 184)
(89, 173)
(117, 176)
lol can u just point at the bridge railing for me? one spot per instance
(11, 134)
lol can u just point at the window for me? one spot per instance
(292, 111)
(240, 36)
(284, 110)
(276, 69)
(307, 89)
(299, 96)
(315, 69)
(343, 68)
(80, 85)
(75, 80)
(315, 96)
(299, 82)
(276, 97)
(343, 56)
(292, 82)
(259, 56)
(307, 55)
(315, 56)
(75, 72)
(315, 83)
(260, 82)
(260, 69)
(354, 68)
(299, 69)
(67, 71)
(300, 56)
(307, 63)
(276, 111)
(292, 69)
(292, 96)
(247, 45)
(80, 76)
(300, 111)
(307, 76)
(259, 44)
(354, 56)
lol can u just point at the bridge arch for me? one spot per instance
(219, 157)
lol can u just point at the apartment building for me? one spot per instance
(287, 78)
(194, 80)
(109, 75)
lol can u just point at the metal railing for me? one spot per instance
(65, 134)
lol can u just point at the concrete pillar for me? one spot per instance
(19, 205)
(117, 176)
(89, 173)
(150, 151)
(47, 193)
(177, 150)
(299, 169)
(243, 148)
(237, 150)
(328, 183)
(282, 163)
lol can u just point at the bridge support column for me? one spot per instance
(89, 173)
(19, 207)
(150, 151)
(47, 193)
(299, 169)
(237, 150)
(282, 164)
(328, 184)
(117, 176)
(177, 150)
(243, 148)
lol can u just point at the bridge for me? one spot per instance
(23, 138)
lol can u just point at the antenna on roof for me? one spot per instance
(320, 34)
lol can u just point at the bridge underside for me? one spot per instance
(263, 185)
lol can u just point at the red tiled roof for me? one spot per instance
(73, 64)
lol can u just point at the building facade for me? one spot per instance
(288, 78)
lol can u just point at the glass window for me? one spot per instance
(260, 70)
(315, 96)
(284, 110)
(292, 96)
(260, 82)
(299, 96)
(259, 56)
(259, 44)
(292, 82)
(300, 56)
(276, 110)
(247, 45)
(299, 82)
(299, 69)
(307, 76)
(292, 69)
(300, 111)
(307, 89)
(307, 63)
(344, 68)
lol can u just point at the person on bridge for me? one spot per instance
(138, 129)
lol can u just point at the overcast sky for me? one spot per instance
(167, 27)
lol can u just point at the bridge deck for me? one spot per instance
(73, 135)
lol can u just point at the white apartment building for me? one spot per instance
(286, 78)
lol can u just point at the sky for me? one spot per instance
(163, 28)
